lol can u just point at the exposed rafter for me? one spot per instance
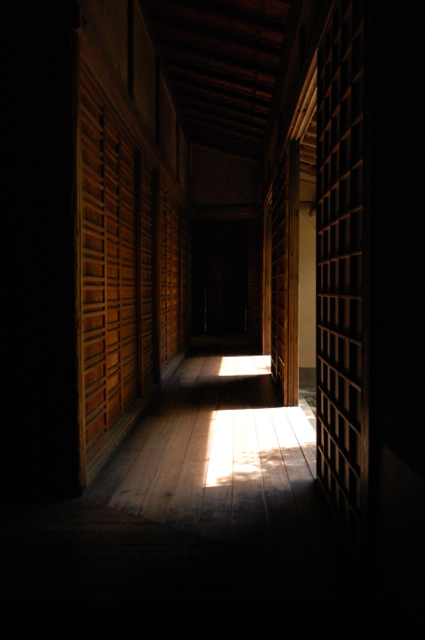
(222, 58)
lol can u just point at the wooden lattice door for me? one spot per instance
(341, 419)
(284, 276)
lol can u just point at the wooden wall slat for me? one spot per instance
(173, 270)
(94, 267)
(109, 267)
(147, 284)
(134, 247)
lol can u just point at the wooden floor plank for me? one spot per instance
(130, 494)
(214, 518)
(186, 502)
(286, 538)
(219, 457)
(305, 434)
(249, 523)
(166, 459)
(314, 523)
(161, 491)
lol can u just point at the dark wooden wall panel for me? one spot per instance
(173, 275)
(341, 433)
(184, 281)
(134, 272)
(109, 269)
(147, 284)
(94, 267)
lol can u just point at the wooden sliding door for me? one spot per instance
(284, 276)
(342, 438)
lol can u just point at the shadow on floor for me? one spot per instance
(75, 553)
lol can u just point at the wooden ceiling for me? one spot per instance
(222, 58)
(308, 148)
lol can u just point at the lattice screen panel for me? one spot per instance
(169, 247)
(339, 266)
(109, 273)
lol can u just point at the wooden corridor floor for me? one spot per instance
(210, 499)
(217, 456)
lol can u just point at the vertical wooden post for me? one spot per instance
(292, 367)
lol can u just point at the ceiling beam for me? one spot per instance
(207, 105)
(214, 45)
(229, 85)
(249, 99)
(198, 123)
(215, 119)
(276, 13)
(251, 38)
(193, 61)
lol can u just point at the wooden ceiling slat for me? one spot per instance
(214, 44)
(238, 33)
(226, 90)
(220, 80)
(269, 14)
(256, 103)
(209, 105)
(193, 60)
(222, 58)
(216, 119)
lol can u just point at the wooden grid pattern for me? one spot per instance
(223, 58)
(184, 281)
(339, 266)
(147, 279)
(109, 269)
(279, 312)
(169, 247)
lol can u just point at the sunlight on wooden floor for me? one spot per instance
(244, 366)
(245, 439)
(218, 456)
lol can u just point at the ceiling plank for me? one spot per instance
(223, 58)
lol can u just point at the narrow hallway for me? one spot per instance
(210, 498)
(217, 456)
